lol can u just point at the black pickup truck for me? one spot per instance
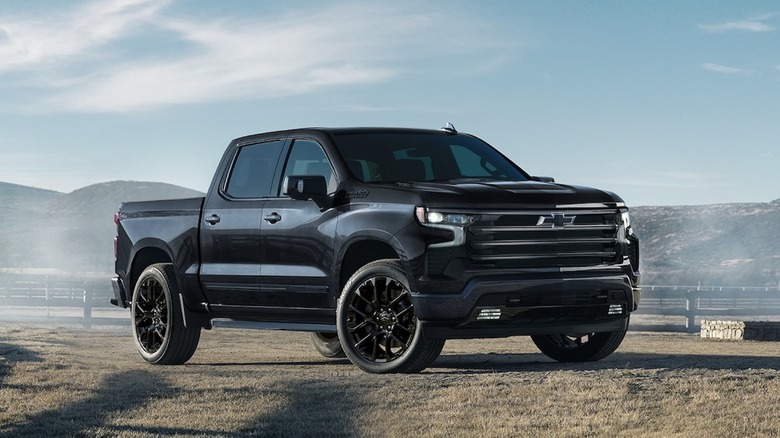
(383, 243)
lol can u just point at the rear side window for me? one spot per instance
(253, 170)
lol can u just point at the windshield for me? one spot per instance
(392, 157)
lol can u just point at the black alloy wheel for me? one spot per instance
(159, 330)
(381, 321)
(151, 314)
(377, 326)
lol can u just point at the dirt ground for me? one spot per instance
(70, 381)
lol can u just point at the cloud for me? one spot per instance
(751, 25)
(226, 58)
(718, 68)
(45, 41)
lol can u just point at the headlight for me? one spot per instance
(624, 227)
(625, 219)
(428, 217)
(455, 222)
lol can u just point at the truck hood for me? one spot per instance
(509, 194)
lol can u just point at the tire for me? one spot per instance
(376, 324)
(157, 321)
(327, 344)
(579, 348)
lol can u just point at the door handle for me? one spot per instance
(272, 218)
(213, 219)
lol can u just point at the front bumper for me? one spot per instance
(511, 306)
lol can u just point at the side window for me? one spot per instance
(307, 158)
(253, 170)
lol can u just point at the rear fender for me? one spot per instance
(151, 251)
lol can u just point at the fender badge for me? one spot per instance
(357, 194)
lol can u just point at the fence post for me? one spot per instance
(48, 295)
(690, 311)
(87, 306)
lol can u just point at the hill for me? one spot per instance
(74, 231)
(20, 206)
(15, 199)
(718, 245)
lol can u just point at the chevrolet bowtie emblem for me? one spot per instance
(555, 220)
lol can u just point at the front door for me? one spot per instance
(297, 238)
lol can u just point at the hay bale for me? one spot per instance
(741, 330)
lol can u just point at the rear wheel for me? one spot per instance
(158, 325)
(579, 347)
(378, 329)
(327, 344)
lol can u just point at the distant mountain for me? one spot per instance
(718, 245)
(108, 196)
(74, 231)
(20, 206)
(15, 198)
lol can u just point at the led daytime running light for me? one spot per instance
(427, 217)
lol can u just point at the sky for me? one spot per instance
(664, 103)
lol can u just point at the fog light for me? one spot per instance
(487, 314)
(615, 309)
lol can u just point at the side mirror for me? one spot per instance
(546, 179)
(305, 187)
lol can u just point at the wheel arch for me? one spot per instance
(149, 254)
(358, 254)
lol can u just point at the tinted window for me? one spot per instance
(389, 157)
(308, 158)
(472, 164)
(253, 170)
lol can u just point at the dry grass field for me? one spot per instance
(68, 381)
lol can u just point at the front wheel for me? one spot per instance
(580, 347)
(159, 331)
(376, 323)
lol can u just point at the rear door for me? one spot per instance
(230, 233)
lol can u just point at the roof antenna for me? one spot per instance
(449, 127)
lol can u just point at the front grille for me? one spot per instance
(544, 239)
